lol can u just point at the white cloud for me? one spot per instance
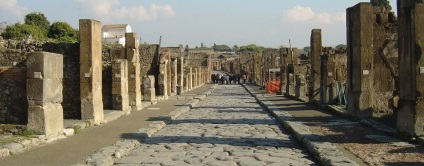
(139, 13)
(300, 14)
(11, 7)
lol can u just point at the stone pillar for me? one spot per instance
(291, 71)
(190, 79)
(359, 60)
(410, 115)
(181, 76)
(195, 79)
(323, 79)
(149, 88)
(120, 85)
(316, 51)
(91, 70)
(174, 75)
(44, 93)
(300, 88)
(134, 72)
(282, 71)
(163, 77)
(209, 68)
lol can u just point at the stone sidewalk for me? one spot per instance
(334, 139)
(71, 149)
(226, 128)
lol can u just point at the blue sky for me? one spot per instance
(269, 23)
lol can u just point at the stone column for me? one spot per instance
(91, 70)
(149, 88)
(323, 79)
(209, 68)
(44, 93)
(134, 71)
(196, 75)
(174, 77)
(190, 79)
(410, 115)
(316, 51)
(282, 71)
(181, 76)
(359, 59)
(120, 85)
(163, 77)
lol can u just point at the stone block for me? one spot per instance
(45, 90)
(119, 88)
(134, 98)
(134, 86)
(50, 65)
(90, 51)
(120, 102)
(148, 81)
(118, 53)
(46, 119)
(149, 94)
(119, 70)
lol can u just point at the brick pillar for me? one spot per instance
(359, 59)
(120, 85)
(91, 70)
(316, 51)
(149, 88)
(44, 93)
(410, 115)
(134, 71)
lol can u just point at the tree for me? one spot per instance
(236, 48)
(341, 47)
(62, 31)
(381, 3)
(22, 31)
(221, 48)
(38, 19)
(252, 48)
(307, 49)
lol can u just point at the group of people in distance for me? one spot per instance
(225, 79)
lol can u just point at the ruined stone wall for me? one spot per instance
(71, 81)
(149, 59)
(13, 104)
(385, 61)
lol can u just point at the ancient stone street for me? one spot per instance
(226, 128)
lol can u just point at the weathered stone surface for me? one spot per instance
(45, 65)
(148, 88)
(316, 51)
(91, 70)
(46, 119)
(410, 116)
(45, 90)
(359, 66)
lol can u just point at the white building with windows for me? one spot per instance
(115, 33)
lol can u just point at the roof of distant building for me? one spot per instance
(114, 26)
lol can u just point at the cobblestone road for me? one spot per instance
(226, 128)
